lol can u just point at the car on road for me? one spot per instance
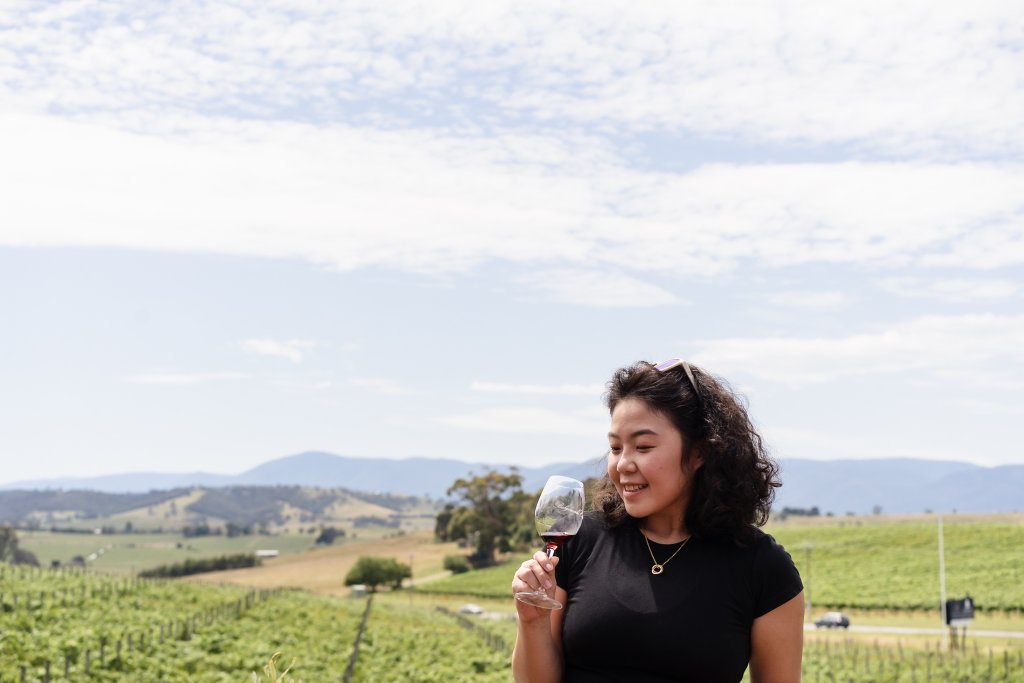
(832, 620)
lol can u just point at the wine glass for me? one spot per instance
(559, 516)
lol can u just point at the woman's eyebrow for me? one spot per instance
(639, 432)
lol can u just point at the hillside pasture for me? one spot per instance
(131, 553)
(323, 570)
(269, 509)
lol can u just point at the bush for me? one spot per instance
(374, 571)
(456, 564)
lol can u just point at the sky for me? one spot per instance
(231, 232)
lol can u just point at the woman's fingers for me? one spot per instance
(536, 573)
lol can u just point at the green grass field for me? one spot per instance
(130, 553)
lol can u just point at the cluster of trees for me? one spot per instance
(9, 550)
(209, 564)
(492, 514)
(231, 530)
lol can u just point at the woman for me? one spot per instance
(669, 579)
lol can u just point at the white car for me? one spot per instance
(832, 620)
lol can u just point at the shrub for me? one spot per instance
(456, 564)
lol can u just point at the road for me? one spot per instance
(907, 630)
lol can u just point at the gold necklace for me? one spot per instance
(659, 567)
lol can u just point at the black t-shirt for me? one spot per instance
(690, 623)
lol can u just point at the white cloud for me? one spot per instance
(378, 385)
(414, 201)
(907, 75)
(805, 299)
(292, 349)
(529, 420)
(597, 289)
(952, 290)
(928, 347)
(539, 389)
(186, 378)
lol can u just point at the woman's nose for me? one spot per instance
(625, 463)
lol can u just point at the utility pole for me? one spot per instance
(942, 578)
(807, 588)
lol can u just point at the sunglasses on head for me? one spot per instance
(671, 363)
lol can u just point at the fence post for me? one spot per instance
(354, 657)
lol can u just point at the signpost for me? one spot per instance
(955, 613)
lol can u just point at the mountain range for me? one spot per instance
(893, 485)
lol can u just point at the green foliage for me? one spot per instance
(421, 645)
(850, 661)
(377, 571)
(456, 564)
(179, 632)
(208, 564)
(843, 563)
(490, 582)
(491, 513)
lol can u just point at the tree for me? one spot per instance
(490, 515)
(376, 571)
(9, 550)
(328, 534)
(8, 544)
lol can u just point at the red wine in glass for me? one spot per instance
(559, 515)
(553, 540)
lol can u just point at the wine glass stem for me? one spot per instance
(550, 548)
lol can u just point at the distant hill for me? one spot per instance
(837, 486)
(900, 486)
(271, 508)
(425, 477)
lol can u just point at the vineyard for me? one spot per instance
(891, 566)
(69, 625)
(895, 565)
(60, 625)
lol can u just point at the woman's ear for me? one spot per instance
(694, 459)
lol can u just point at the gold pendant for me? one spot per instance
(657, 569)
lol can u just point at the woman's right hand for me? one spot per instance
(537, 573)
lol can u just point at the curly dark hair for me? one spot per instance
(734, 489)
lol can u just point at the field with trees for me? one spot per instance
(224, 626)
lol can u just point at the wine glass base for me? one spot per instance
(538, 599)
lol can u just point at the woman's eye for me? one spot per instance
(614, 450)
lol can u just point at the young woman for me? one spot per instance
(669, 579)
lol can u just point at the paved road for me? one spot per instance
(906, 630)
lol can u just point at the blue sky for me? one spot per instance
(233, 232)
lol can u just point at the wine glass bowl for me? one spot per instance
(559, 515)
